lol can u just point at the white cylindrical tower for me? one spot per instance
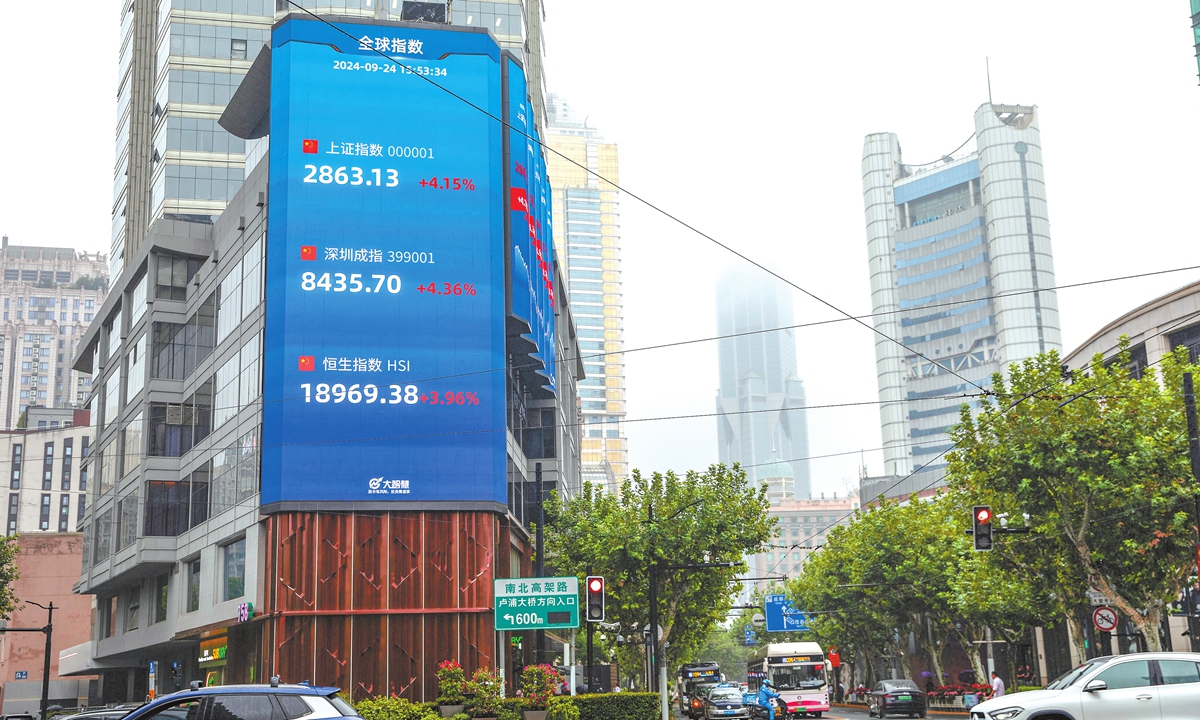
(1018, 231)
(880, 165)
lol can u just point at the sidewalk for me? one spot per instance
(940, 711)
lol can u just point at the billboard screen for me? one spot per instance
(385, 267)
(531, 236)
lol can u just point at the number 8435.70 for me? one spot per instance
(340, 282)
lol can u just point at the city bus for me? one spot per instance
(797, 672)
(694, 677)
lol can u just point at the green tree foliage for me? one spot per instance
(9, 573)
(909, 568)
(715, 514)
(727, 650)
(1098, 463)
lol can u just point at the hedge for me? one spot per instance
(394, 708)
(617, 706)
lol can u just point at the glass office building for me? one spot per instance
(960, 258)
(587, 221)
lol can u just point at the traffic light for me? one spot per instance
(177, 675)
(981, 517)
(595, 598)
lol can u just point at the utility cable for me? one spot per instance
(644, 201)
(746, 333)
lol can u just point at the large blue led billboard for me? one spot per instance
(531, 236)
(385, 267)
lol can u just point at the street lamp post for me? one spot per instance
(48, 630)
(658, 670)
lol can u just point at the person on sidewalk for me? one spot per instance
(997, 685)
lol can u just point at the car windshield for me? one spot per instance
(798, 677)
(724, 695)
(1071, 677)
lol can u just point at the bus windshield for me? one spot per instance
(798, 677)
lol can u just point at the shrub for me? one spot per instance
(616, 706)
(538, 683)
(460, 716)
(394, 708)
(484, 687)
(562, 707)
(451, 683)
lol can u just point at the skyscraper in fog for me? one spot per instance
(959, 258)
(760, 415)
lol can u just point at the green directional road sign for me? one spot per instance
(537, 603)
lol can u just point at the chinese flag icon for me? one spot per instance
(308, 252)
(309, 146)
(308, 363)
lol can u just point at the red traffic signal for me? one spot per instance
(981, 515)
(595, 598)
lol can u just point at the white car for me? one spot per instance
(1143, 686)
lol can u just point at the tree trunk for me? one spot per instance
(1078, 654)
(1149, 625)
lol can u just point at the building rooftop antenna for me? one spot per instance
(988, 69)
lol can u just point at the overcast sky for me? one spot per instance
(746, 120)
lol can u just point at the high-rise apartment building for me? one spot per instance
(587, 219)
(803, 525)
(760, 403)
(960, 257)
(182, 60)
(48, 296)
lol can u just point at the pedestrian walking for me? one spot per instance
(997, 685)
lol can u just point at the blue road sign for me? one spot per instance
(750, 639)
(22, 675)
(782, 615)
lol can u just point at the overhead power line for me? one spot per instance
(644, 201)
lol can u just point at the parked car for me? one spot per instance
(247, 702)
(1146, 686)
(896, 697)
(110, 714)
(725, 702)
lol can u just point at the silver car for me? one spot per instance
(725, 702)
(1144, 686)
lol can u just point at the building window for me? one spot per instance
(175, 429)
(235, 473)
(83, 471)
(235, 569)
(174, 274)
(177, 348)
(81, 510)
(15, 477)
(107, 615)
(103, 546)
(127, 514)
(44, 520)
(173, 507)
(133, 444)
(64, 512)
(132, 605)
(47, 465)
(137, 301)
(193, 585)
(68, 449)
(14, 507)
(135, 378)
(162, 585)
